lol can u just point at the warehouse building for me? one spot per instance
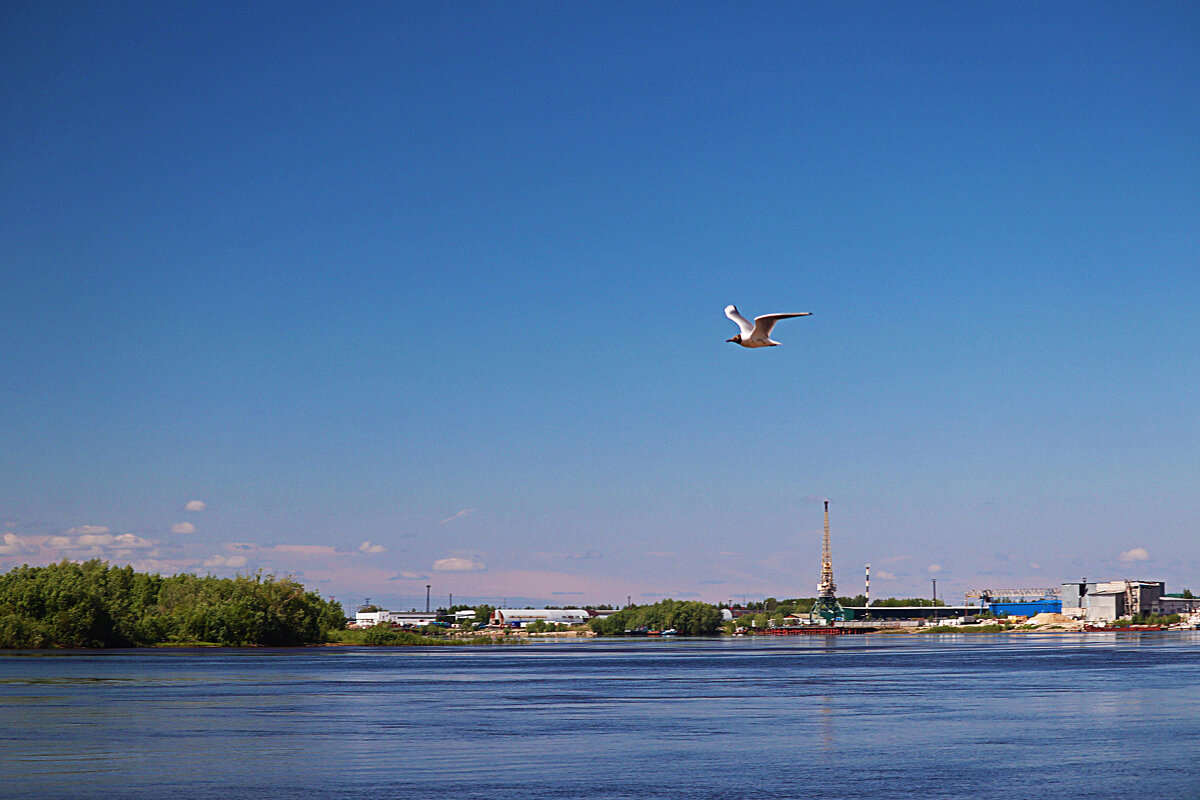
(1177, 604)
(1109, 600)
(408, 619)
(520, 617)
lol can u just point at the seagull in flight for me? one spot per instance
(757, 333)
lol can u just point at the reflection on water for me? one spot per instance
(861, 717)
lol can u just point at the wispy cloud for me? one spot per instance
(183, 527)
(465, 512)
(97, 542)
(128, 540)
(367, 547)
(409, 576)
(1136, 554)
(86, 529)
(884, 575)
(305, 549)
(229, 562)
(661, 554)
(195, 505)
(934, 569)
(15, 546)
(458, 565)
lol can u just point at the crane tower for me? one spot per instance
(827, 606)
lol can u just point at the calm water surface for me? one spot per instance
(1067, 716)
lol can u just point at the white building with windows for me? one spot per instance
(521, 617)
(412, 619)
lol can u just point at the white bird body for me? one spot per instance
(757, 333)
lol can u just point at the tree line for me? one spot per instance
(686, 617)
(93, 604)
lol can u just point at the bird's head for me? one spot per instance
(736, 339)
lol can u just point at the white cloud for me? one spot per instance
(934, 569)
(459, 515)
(84, 541)
(367, 547)
(82, 529)
(226, 561)
(1034, 565)
(128, 540)
(458, 565)
(1136, 554)
(183, 527)
(98, 540)
(195, 505)
(15, 546)
(884, 575)
(154, 565)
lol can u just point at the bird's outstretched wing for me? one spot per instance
(746, 325)
(764, 324)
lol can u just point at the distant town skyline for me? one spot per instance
(388, 296)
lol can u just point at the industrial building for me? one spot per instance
(1177, 604)
(1105, 601)
(521, 617)
(414, 619)
(1109, 600)
(1018, 602)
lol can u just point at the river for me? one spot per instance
(936, 716)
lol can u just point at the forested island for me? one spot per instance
(93, 604)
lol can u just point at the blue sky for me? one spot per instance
(403, 294)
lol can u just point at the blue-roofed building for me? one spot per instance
(1026, 608)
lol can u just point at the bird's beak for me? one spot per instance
(729, 340)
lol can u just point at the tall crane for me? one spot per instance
(826, 606)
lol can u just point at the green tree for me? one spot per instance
(95, 605)
(483, 614)
(893, 602)
(688, 618)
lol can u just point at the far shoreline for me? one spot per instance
(515, 638)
